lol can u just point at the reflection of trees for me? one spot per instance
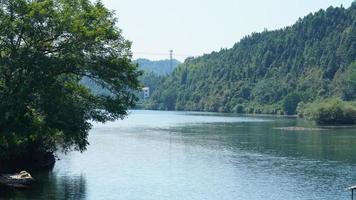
(71, 187)
(50, 185)
(335, 144)
(63, 187)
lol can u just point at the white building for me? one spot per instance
(146, 93)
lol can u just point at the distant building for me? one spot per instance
(145, 93)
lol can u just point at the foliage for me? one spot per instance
(47, 47)
(94, 87)
(264, 71)
(329, 111)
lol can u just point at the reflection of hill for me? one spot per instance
(333, 144)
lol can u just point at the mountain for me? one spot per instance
(272, 71)
(153, 75)
(160, 67)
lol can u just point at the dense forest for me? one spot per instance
(272, 71)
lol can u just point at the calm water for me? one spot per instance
(155, 155)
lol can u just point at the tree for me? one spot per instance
(290, 103)
(46, 48)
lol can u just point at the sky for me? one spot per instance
(195, 27)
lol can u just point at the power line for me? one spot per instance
(163, 54)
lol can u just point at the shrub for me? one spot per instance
(329, 112)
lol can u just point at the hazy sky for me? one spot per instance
(195, 27)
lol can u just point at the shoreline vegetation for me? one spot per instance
(327, 112)
(34, 162)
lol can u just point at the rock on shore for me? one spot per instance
(19, 180)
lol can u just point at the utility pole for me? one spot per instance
(171, 59)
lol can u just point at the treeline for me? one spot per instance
(270, 72)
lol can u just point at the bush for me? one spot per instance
(329, 112)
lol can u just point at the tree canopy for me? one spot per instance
(46, 48)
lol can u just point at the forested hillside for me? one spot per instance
(272, 71)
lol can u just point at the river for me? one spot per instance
(163, 155)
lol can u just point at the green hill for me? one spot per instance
(270, 72)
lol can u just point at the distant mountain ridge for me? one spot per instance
(159, 67)
(272, 71)
(154, 73)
